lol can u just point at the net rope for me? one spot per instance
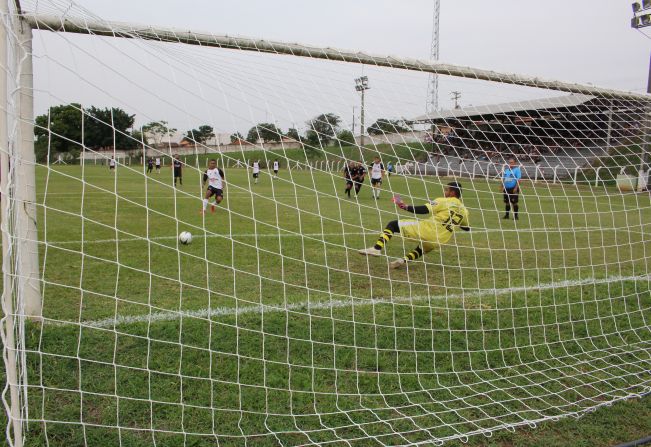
(270, 328)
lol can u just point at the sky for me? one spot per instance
(579, 40)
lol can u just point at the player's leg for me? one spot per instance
(358, 187)
(349, 186)
(392, 228)
(206, 199)
(376, 188)
(516, 207)
(219, 196)
(507, 203)
(413, 255)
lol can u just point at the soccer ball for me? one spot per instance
(185, 237)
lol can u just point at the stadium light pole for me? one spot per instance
(642, 19)
(361, 85)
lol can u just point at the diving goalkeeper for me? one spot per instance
(446, 215)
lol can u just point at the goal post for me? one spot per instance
(264, 323)
(25, 177)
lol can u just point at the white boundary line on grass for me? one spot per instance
(208, 313)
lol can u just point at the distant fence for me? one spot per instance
(186, 151)
(443, 168)
(489, 170)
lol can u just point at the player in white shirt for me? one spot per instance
(377, 173)
(157, 165)
(112, 164)
(216, 180)
(276, 167)
(256, 170)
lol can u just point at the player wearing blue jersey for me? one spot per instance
(511, 187)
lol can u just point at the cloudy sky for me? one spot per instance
(579, 40)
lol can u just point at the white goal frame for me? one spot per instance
(21, 296)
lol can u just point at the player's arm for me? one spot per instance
(221, 173)
(464, 224)
(423, 209)
(205, 178)
(518, 176)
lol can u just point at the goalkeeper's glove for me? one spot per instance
(398, 201)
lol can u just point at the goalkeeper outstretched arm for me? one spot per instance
(424, 209)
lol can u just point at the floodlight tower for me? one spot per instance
(433, 89)
(361, 85)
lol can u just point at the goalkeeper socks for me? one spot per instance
(516, 208)
(384, 238)
(414, 254)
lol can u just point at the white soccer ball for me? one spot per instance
(185, 237)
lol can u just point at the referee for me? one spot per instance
(511, 187)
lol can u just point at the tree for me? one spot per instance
(200, 135)
(293, 134)
(158, 130)
(236, 137)
(383, 125)
(108, 128)
(60, 130)
(322, 129)
(346, 137)
(264, 131)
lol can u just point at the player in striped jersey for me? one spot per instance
(256, 171)
(377, 173)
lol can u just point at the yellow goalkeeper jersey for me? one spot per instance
(448, 214)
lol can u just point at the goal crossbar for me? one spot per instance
(135, 31)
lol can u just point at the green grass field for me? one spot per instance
(270, 329)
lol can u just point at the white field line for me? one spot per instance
(316, 235)
(307, 306)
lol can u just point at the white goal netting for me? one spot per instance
(269, 328)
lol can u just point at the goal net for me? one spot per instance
(269, 327)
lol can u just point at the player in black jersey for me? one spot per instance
(359, 176)
(178, 169)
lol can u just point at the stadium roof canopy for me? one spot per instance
(528, 108)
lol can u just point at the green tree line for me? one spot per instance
(68, 129)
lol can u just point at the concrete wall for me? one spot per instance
(189, 150)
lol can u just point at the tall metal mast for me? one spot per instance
(433, 88)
